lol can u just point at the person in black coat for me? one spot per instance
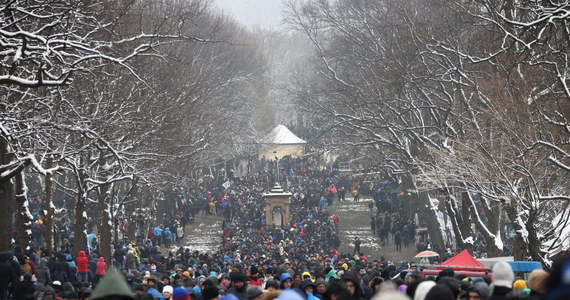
(7, 276)
(52, 260)
(61, 272)
(25, 289)
(352, 282)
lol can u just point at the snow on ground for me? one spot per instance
(203, 235)
(354, 220)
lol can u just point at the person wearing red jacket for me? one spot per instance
(101, 269)
(253, 276)
(82, 266)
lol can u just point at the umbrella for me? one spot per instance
(426, 254)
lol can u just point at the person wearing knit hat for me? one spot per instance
(440, 292)
(112, 286)
(537, 284)
(186, 274)
(521, 285)
(503, 278)
(479, 290)
(320, 287)
(254, 292)
(180, 293)
(254, 279)
(238, 277)
(167, 291)
(210, 289)
(422, 289)
(503, 274)
(239, 288)
(447, 272)
(271, 285)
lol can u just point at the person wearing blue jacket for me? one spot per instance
(157, 235)
(167, 237)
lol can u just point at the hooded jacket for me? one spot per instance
(307, 274)
(331, 274)
(42, 272)
(482, 289)
(15, 265)
(112, 285)
(351, 276)
(6, 273)
(101, 266)
(82, 262)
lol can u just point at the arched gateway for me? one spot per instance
(277, 211)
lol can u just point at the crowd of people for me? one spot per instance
(255, 260)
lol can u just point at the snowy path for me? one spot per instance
(354, 220)
(203, 235)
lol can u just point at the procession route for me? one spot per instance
(203, 235)
(354, 220)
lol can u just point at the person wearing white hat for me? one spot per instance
(167, 291)
(503, 277)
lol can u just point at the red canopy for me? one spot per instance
(463, 261)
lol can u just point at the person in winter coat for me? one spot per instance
(537, 281)
(167, 237)
(254, 276)
(131, 260)
(479, 290)
(239, 288)
(119, 256)
(42, 272)
(61, 270)
(308, 288)
(25, 289)
(7, 276)
(14, 264)
(179, 234)
(52, 260)
(503, 278)
(286, 281)
(352, 283)
(72, 269)
(25, 266)
(101, 269)
(157, 235)
(82, 266)
(112, 286)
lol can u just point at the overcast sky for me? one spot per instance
(264, 13)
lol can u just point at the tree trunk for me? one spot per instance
(6, 196)
(432, 223)
(461, 226)
(490, 237)
(105, 235)
(24, 219)
(426, 212)
(493, 212)
(80, 242)
(520, 245)
(48, 220)
(410, 202)
(534, 244)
